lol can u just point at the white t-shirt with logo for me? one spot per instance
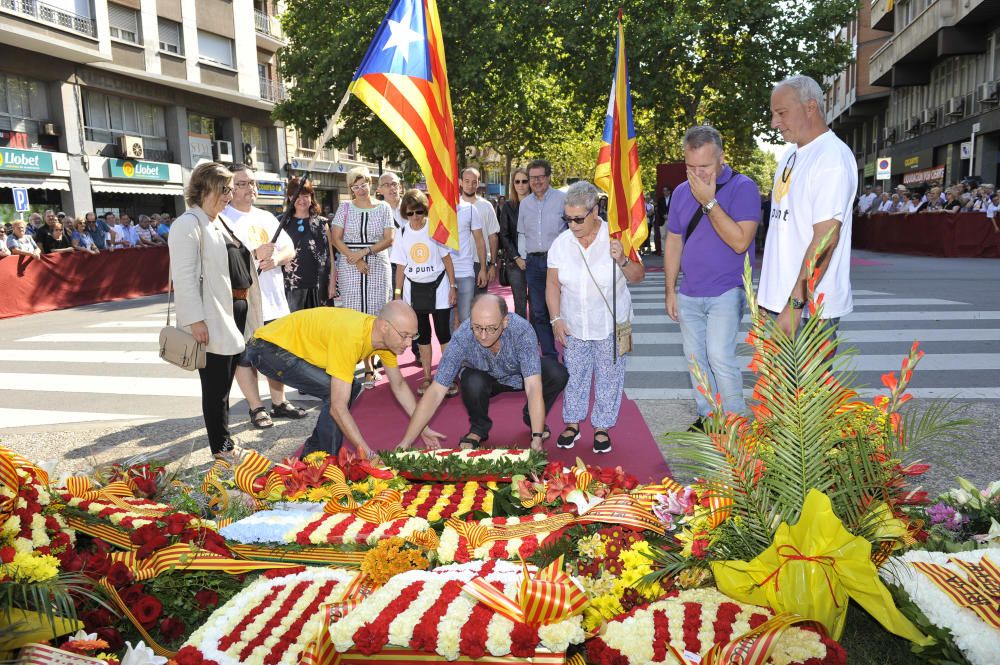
(491, 225)
(423, 261)
(812, 184)
(466, 256)
(254, 229)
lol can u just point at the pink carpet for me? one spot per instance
(383, 422)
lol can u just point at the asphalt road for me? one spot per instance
(85, 384)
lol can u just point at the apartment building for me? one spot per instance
(924, 90)
(110, 105)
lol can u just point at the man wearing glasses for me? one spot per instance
(317, 350)
(256, 229)
(495, 352)
(710, 231)
(539, 219)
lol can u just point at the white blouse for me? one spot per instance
(580, 303)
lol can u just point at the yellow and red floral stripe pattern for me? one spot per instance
(979, 592)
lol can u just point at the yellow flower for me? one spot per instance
(389, 558)
(316, 457)
(27, 567)
(591, 547)
(600, 611)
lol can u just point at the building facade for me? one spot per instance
(108, 106)
(924, 91)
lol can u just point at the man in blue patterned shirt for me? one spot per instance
(495, 352)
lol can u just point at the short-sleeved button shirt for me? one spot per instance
(517, 358)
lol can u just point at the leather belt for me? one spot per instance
(538, 253)
(240, 294)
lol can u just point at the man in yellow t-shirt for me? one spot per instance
(317, 350)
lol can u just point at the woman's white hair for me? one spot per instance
(581, 194)
(806, 87)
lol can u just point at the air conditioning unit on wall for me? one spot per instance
(888, 134)
(222, 151)
(956, 106)
(988, 93)
(928, 117)
(130, 147)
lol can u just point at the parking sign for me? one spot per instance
(20, 199)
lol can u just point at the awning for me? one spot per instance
(115, 187)
(60, 184)
(269, 201)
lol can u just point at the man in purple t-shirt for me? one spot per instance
(723, 207)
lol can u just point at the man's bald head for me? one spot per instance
(399, 314)
(489, 303)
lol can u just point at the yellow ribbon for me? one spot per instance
(385, 506)
(80, 487)
(550, 597)
(477, 534)
(9, 480)
(253, 466)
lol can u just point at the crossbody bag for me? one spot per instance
(698, 214)
(177, 346)
(623, 331)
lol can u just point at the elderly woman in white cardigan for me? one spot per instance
(579, 291)
(216, 291)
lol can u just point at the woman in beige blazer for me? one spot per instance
(216, 291)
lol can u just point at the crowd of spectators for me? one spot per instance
(54, 232)
(959, 197)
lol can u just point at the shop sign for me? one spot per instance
(912, 162)
(271, 188)
(924, 175)
(133, 170)
(25, 161)
(869, 169)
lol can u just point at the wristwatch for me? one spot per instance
(707, 208)
(798, 304)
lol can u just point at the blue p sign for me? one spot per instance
(20, 199)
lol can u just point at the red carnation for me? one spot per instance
(370, 640)
(111, 635)
(523, 640)
(146, 486)
(206, 599)
(147, 610)
(98, 618)
(119, 575)
(275, 573)
(71, 561)
(172, 628)
(7, 554)
(177, 523)
(189, 656)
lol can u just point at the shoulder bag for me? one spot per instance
(178, 347)
(623, 331)
(698, 214)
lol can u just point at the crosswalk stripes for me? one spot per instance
(962, 345)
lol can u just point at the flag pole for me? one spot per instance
(330, 130)
(614, 312)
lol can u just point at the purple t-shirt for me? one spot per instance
(710, 266)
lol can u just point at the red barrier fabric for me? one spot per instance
(57, 281)
(963, 234)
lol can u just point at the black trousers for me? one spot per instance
(478, 388)
(216, 382)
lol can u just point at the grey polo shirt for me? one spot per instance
(540, 221)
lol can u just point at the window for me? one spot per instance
(257, 138)
(23, 107)
(124, 23)
(214, 48)
(171, 38)
(105, 117)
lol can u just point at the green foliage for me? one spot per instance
(531, 78)
(942, 652)
(52, 599)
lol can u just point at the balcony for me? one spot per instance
(272, 91)
(882, 11)
(44, 13)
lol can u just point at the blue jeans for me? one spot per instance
(709, 327)
(276, 363)
(463, 300)
(536, 273)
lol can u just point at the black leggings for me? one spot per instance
(216, 381)
(442, 326)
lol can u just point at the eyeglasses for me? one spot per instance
(226, 189)
(244, 185)
(578, 220)
(358, 187)
(485, 330)
(789, 165)
(416, 211)
(390, 185)
(521, 182)
(406, 337)
(538, 177)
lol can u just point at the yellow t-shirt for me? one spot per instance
(333, 338)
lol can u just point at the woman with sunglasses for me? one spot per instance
(307, 275)
(513, 256)
(361, 232)
(216, 292)
(425, 279)
(587, 270)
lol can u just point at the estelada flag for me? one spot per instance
(617, 170)
(404, 81)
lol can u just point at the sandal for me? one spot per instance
(288, 410)
(452, 390)
(569, 436)
(602, 445)
(260, 419)
(370, 379)
(424, 385)
(467, 442)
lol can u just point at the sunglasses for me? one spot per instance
(520, 182)
(577, 220)
(416, 211)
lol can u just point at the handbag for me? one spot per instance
(177, 346)
(623, 331)
(423, 295)
(502, 275)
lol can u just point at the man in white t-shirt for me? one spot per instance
(866, 200)
(470, 246)
(256, 228)
(992, 208)
(491, 226)
(813, 195)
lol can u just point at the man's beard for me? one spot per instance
(465, 193)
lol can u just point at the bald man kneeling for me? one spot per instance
(317, 350)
